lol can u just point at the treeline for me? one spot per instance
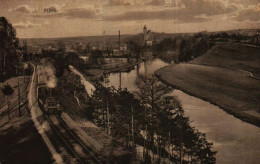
(236, 38)
(183, 48)
(10, 57)
(151, 119)
(12, 53)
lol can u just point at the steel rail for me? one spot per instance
(64, 140)
(79, 141)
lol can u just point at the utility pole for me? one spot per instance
(25, 66)
(181, 153)
(119, 44)
(37, 86)
(145, 137)
(108, 120)
(23, 75)
(104, 41)
(128, 134)
(19, 100)
(181, 144)
(169, 141)
(133, 126)
(8, 110)
(120, 78)
(4, 62)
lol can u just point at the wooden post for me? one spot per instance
(133, 138)
(108, 120)
(169, 154)
(145, 137)
(23, 76)
(128, 133)
(120, 82)
(19, 100)
(8, 110)
(181, 153)
(4, 63)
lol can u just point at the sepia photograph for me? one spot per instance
(129, 81)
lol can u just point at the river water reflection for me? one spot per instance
(235, 141)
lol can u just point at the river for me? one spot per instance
(236, 142)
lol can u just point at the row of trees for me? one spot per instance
(236, 37)
(184, 47)
(9, 50)
(12, 54)
(151, 119)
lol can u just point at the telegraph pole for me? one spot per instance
(23, 75)
(108, 119)
(8, 109)
(133, 138)
(119, 44)
(120, 80)
(169, 141)
(19, 100)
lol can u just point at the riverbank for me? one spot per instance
(93, 74)
(123, 67)
(235, 91)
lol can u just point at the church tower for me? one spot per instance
(145, 33)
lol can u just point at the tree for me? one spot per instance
(8, 49)
(96, 58)
(24, 51)
(159, 116)
(135, 48)
(8, 91)
(164, 118)
(159, 111)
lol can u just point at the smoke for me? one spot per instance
(47, 73)
(50, 80)
(25, 66)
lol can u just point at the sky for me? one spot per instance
(37, 19)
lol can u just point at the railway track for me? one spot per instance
(82, 153)
(76, 149)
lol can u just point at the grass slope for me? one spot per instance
(19, 140)
(209, 77)
(232, 55)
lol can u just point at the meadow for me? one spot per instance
(220, 76)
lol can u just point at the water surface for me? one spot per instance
(236, 142)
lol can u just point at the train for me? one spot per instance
(52, 106)
(48, 101)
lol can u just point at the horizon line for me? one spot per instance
(137, 34)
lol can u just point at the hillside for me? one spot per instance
(232, 55)
(19, 139)
(216, 77)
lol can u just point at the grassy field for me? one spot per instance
(232, 55)
(210, 78)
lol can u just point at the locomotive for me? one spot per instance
(48, 101)
(52, 106)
